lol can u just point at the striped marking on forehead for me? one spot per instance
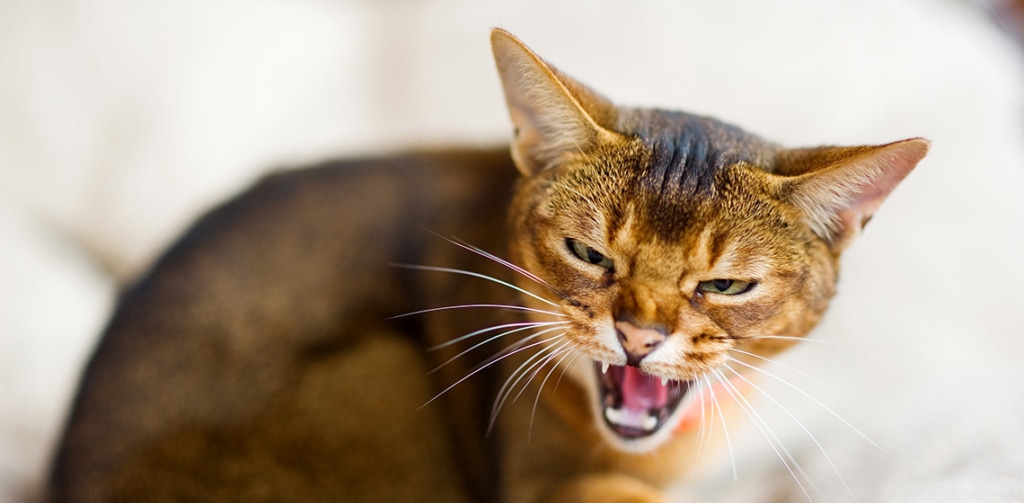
(724, 253)
(687, 152)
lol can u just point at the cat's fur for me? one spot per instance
(256, 361)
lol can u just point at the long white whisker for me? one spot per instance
(564, 354)
(490, 362)
(540, 367)
(792, 466)
(815, 400)
(705, 430)
(514, 348)
(513, 267)
(536, 368)
(796, 339)
(827, 342)
(783, 365)
(496, 337)
(523, 324)
(798, 423)
(522, 271)
(515, 377)
(576, 356)
(469, 306)
(518, 375)
(475, 275)
(725, 428)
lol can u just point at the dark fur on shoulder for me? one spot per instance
(250, 356)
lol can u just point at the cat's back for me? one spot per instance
(267, 321)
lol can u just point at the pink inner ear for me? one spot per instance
(868, 198)
(898, 160)
(890, 164)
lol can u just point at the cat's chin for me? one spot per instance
(639, 410)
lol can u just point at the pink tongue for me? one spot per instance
(641, 391)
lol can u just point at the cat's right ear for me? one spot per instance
(553, 115)
(840, 188)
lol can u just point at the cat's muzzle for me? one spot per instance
(635, 404)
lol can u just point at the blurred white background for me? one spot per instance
(121, 121)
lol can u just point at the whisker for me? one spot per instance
(479, 368)
(510, 383)
(725, 428)
(475, 275)
(773, 440)
(512, 348)
(517, 375)
(783, 365)
(798, 423)
(793, 338)
(576, 356)
(515, 268)
(564, 354)
(468, 247)
(494, 338)
(815, 400)
(469, 306)
(705, 430)
(539, 368)
(524, 324)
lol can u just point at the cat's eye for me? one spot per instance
(725, 286)
(588, 254)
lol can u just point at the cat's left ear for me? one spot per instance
(553, 114)
(839, 188)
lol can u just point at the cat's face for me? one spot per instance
(680, 250)
(660, 284)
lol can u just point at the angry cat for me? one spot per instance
(310, 340)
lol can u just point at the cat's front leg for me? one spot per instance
(554, 452)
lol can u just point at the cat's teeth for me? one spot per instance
(604, 368)
(630, 419)
(664, 381)
(650, 423)
(613, 415)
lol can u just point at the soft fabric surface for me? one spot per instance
(120, 121)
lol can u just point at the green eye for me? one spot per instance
(588, 254)
(725, 286)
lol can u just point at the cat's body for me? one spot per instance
(307, 253)
(257, 361)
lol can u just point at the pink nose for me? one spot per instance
(638, 342)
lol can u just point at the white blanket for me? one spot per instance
(120, 121)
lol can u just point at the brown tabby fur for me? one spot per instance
(256, 360)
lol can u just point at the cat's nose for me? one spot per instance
(638, 342)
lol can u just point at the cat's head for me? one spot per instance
(679, 248)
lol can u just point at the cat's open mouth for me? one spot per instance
(635, 404)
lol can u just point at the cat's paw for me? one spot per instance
(607, 488)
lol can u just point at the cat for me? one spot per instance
(321, 338)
